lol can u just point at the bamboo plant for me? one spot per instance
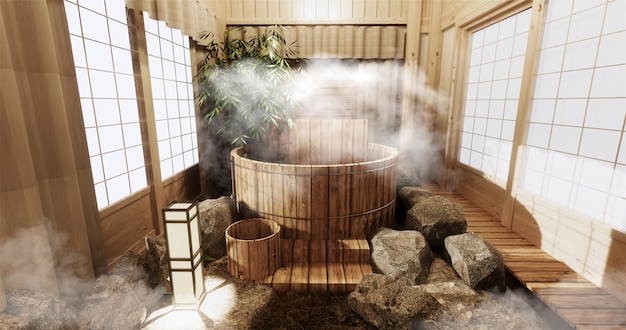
(245, 85)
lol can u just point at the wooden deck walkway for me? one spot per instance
(577, 301)
(321, 265)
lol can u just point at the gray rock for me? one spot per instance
(156, 263)
(215, 215)
(406, 173)
(476, 261)
(111, 304)
(390, 304)
(410, 195)
(34, 310)
(131, 267)
(402, 255)
(437, 218)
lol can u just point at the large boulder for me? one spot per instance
(34, 310)
(111, 304)
(476, 261)
(215, 215)
(132, 268)
(406, 173)
(410, 195)
(402, 255)
(156, 263)
(437, 218)
(390, 304)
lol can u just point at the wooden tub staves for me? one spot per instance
(312, 198)
(253, 249)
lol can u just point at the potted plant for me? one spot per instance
(245, 86)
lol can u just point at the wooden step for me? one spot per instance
(321, 265)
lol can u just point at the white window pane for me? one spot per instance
(98, 55)
(612, 49)
(558, 190)
(153, 44)
(590, 202)
(134, 157)
(600, 144)
(477, 39)
(547, 85)
(619, 182)
(101, 195)
(179, 53)
(186, 108)
(480, 126)
(621, 159)
(89, 117)
(188, 158)
(96, 169)
(466, 140)
(501, 69)
(464, 157)
(494, 126)
(582, 5)
(570, 112)
(491, 34)
(107, 112)
(178, 164)
(158, 88)
(169, 72)
(513, 88)
(114, 163)
(174, 125)
(150, 24)
(162, 129)
(73, 19)
(586, 24)
(476, 159)
(187, 143)
(478, 143)
(172, 109)
(609, 82)
(575, 84)
(508, 129)
(176, 145)
(128, 109)
(519, 44)
(102, 84)
(132, 134)
(94, 26)
(166, 168)
(122, 61)
(606, 113)
(522, 23)
(181, 72)
(517, 67)
(181, 90)
(116, 9)
(565, 139)
(119, 35)
(496, 109)
(498, 89)
(137, 179)
(473, 74)
(489, 53)
(532, 181)
(581, 55)
(164, 150)
(185, 125)
(110, 138)
(536, 158)
(156, 69)
(475, 57)
(551, 59)
(614, 20)
(615, 213)
(78, 52)
(538, 135)
(507, 28)
(542, 111)
(555, 33)
(118, 188)
(595, 174)
(164, 31)
(160, 109)
(125, 86)
(93, 143)
(510, 109)
(562, 165)
(558, 9)
(170, 90)
(484, 90)
(472, 91)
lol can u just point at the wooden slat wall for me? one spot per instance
(316, 11)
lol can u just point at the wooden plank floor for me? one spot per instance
(321, 265)
(576, 300)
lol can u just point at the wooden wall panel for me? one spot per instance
(317, 11)
(124, 228)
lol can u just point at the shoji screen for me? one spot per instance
(492, 94)
(104, 70)
(172, 92)
(576, 153)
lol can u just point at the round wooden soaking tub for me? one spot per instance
(317, 201)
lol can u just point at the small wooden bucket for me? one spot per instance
(253, 248)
